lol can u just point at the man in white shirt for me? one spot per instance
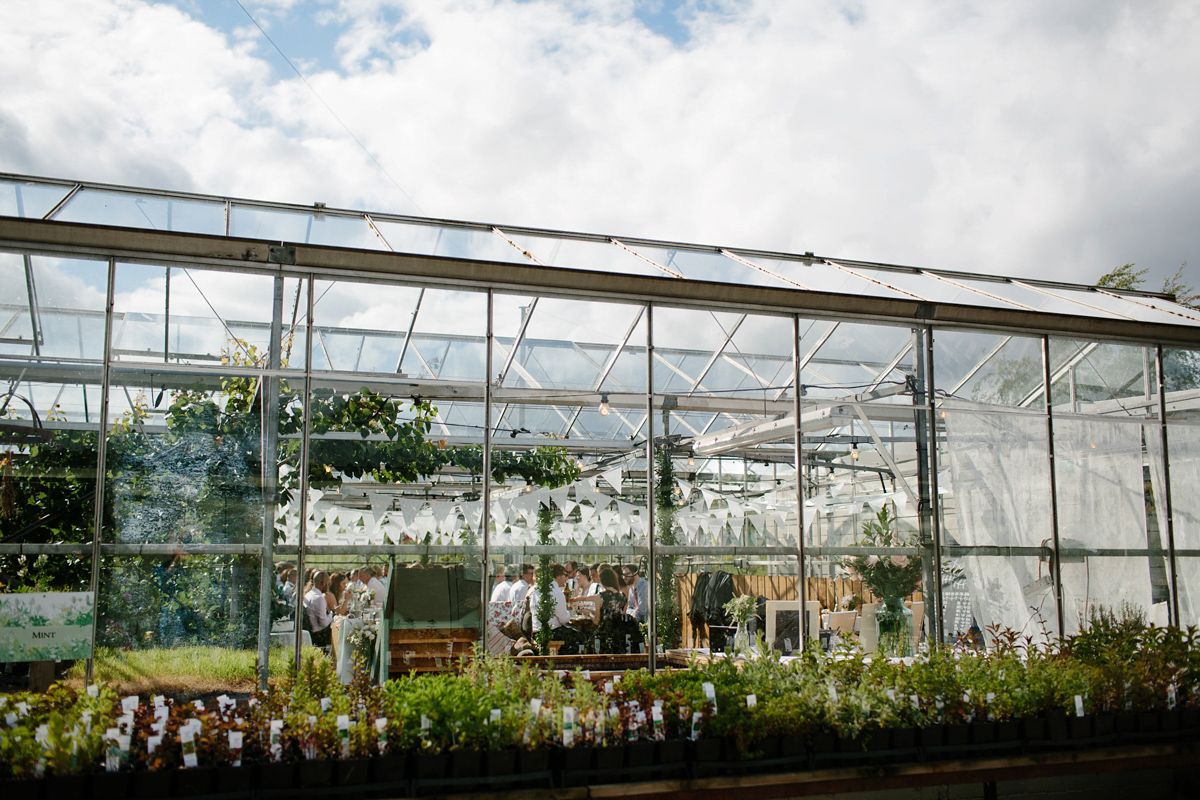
(320, 618)
(367, 575)
(521, 587)
(561, 615)
(502, 591)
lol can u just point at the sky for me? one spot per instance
(1030, 138)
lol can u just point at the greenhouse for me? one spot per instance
(199, 387)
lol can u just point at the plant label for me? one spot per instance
(751, 700)
(159, 701)
(275, 736)
(1171, 698)
(326, 703)
(187, 741)
(130, 704)
(608, 687)
(10, 719)
(587, 674)
(112, 755)
(343, 727)
(656, 718)
(152, 743)
(568, 726)
(495, 717)
(833, 695)
(93, 690)
(235, 748)
(381, 724)
(199, 704)
(696, 719)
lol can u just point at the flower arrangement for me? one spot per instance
(741, 609)
(360, 601)
(894, 576)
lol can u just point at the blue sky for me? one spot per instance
(1018, 138)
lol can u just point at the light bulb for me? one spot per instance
(691, 461)
(604, 409)
(854, 451)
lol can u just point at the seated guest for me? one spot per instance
(560, 618)
(583, 582)
(334, 598)
(320, 618)
(368, 576)
(618, 632)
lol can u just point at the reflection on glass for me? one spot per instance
(28, 199)
(559, 251)
(705, 266)
(176, 600)
(307, 227)
(1095, 377)
(988, 368)
(445, 240)
(822, 277)
(100, 207)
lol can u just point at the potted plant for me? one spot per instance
(890, 578)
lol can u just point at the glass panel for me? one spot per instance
(214, 316)
(67, 307)
(1031, 297)
(930, 288)
(363, 327)
(1102, 378)
(49, 462)
(27, 199)
(733, 355)
(1118, 306)
(1184, 450)
(571, 344)
(444, 240)
(1102, 507)
(306, 227)
(990, 368)
(140, 211)
(701, 266)
(823, 277)
(180, 601)
(1182, 315)
(996, 516)
(560, 251)
(855, 357)
(185, 459)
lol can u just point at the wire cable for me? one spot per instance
(333, 113)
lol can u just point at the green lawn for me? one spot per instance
(182, 669)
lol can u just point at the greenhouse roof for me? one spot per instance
(932, 290)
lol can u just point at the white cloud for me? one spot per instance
(1020, 138)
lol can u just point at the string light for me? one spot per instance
(604, 409)
(854, 451)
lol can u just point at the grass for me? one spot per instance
(182, 672)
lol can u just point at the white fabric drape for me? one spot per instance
(1183, 442)
(1000, 474)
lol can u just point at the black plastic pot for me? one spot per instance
(466, 763)
(233, 780)
(274, 776)
(639, 755)
(21, 790)
(153, 784)
(1008, 731)
(430, 766)
(534, 761)
(106, 784)
(500, 762)
(389, 771)
(315, 773)
(983, 733)
(354, 772)
(65, 787)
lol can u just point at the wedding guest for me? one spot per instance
(583, 582)
(639, 593)
(560, 618)
(335, 597)
(289, 585)
(367, 575)
(502, 591)
(521, 587)
(320, 618)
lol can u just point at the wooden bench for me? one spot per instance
(429, 649)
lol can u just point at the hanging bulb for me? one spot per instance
(854, 451)
(691, 460)
(604, 409)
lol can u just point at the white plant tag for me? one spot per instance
(1171, 696)
(495, 718)
(275, 736)
(656, 719)
(125, 723)
(326, 703)
(751, 700)
(153, 742)
(112, 754)
(159, 701)
(608, 687)
(199, 704)
(696, 718)
(568, 726)
(1078, 705)
(10, 719)
(381, 729)
(587, 674)
(226, 703)
(891, 693)
(833, 695)
(235, 748)
(187, 740)
(343, 727)
(916, 702)
(710, 694)
(93, 690)
(130, 704)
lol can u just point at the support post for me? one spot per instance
(1166, 498)
(651, 615)
(269, 472)
(303, 467)
(101, 446)
(1056, 572)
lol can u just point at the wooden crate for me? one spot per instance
(429, 649)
